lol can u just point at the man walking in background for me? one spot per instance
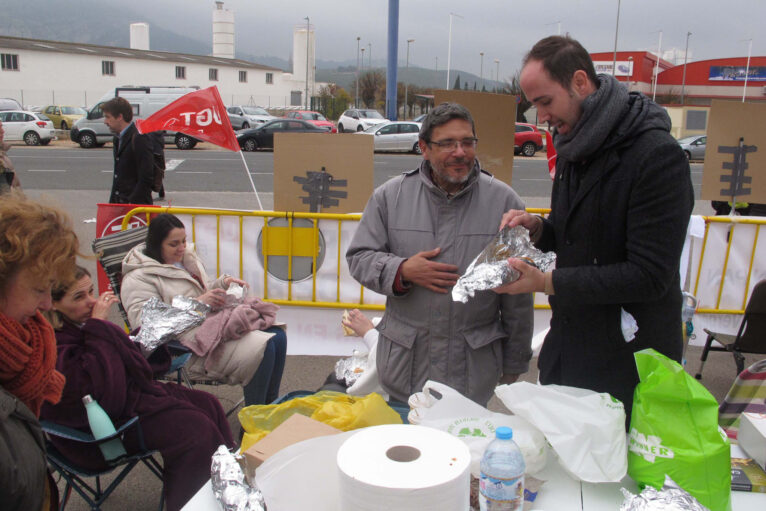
(133, 155)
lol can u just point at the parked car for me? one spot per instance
(359, 119)
(262, 137)
(314, 118)
(254, 115)
(237, 121)
(527, 140)
(33, 128)
(10, 104)
(694, 146)
(63, 116)
(395, 136)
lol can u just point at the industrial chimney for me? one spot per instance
(139, 36)
(223, 32)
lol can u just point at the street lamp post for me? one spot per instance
(497, 75)
(449, 45)
(356, 97)
(481, 70)
(616, 28)
(657, 67)
(407, 67)
(630, 72)
(362, 57)
(686, 58)
(369, 54)
(306, 101)
(747, 69)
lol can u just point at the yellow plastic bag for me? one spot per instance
(333, 408)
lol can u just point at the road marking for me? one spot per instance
(193, 172)
(107, 171)
(46, 170)
(172, 164)
(261, 173)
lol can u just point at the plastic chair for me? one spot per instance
(751, 337)
(75, 475)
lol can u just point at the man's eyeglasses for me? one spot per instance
(447, 146)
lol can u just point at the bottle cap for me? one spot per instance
(86, 399)
(504, 433)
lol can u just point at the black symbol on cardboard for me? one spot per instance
(318, 186)
(737, 179)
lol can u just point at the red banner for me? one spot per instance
(200, 114)
(551, 153)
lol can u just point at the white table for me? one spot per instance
(559, 493)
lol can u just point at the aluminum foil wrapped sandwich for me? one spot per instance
(229, 484)
(670, 498)
(490, 268)
(161, 322)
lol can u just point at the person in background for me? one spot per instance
(8, 177)
(133, 155)
(164, 267)
(418, 234)
(37, 244)
(186, 426)
(620, 206)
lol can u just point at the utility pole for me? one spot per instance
(481, 70)
(616, 29)
(306, 101)
(686, 58)
(497, 61)
(657, 67)
(449, 45)
(356, 97)
(406, 84)
(369, 54)
(747, 69)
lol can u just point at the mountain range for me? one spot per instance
(107, 23)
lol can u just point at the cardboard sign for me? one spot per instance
(732, 168)
(322, 173)
(494, 116)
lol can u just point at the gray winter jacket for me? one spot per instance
(425, 335)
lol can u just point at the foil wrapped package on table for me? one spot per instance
(670, 498)
(229, 485)
(490, 268)
(350, 369)
(161, 322)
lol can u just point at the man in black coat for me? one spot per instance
(620, 205)
(133, 158)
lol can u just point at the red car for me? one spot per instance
(528, 139)
(314, 118)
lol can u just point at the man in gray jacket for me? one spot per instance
(418, 234)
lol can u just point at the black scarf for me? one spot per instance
(609, 117)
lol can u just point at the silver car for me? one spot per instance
(694, 146)
(395, 136)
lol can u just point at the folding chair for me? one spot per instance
(75, 475)
(751, 337)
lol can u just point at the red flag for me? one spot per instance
(200, 114)
(551, 153)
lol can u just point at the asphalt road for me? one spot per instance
(211, 170)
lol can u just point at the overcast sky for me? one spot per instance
(502, 29)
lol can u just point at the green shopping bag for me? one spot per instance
(674, 431)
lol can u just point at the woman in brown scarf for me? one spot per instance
(37, 243)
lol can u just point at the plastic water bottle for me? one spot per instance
(501, 486)
(101, 426)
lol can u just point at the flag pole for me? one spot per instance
(247, 171)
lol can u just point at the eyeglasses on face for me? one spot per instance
(449, 145)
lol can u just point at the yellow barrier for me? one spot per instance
(296, 242)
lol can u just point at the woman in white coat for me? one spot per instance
(164, 267)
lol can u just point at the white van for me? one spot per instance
(90, 131)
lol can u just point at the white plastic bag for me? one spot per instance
(474, 424)
(585, 428)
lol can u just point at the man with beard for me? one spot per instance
(418, 234)
(620, 205)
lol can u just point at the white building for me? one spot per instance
(40, 72)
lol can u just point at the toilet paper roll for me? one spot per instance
(404, 467)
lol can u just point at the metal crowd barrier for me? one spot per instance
(296, 242)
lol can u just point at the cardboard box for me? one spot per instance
(295, 429)
(752, 436)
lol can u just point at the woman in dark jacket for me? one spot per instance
(97, 358)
